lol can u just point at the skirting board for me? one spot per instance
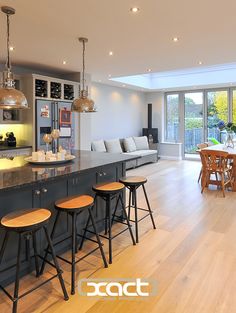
(173, 158)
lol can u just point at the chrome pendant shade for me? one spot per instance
(10, 98)
(83, 104)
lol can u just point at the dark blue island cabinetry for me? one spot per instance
(28, 186)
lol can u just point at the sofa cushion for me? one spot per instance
(98, 146)
(129, 144)
(141, 153)
(141, 143)
(113, 146)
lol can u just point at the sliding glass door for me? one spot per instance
(172, 118)
(193, 121)
(217, 110)
(192, 117)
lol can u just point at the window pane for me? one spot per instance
(193, 121)
(217, 110)
(172, 118)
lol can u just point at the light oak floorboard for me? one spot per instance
(191, 254)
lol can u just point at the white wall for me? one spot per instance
(121, 112)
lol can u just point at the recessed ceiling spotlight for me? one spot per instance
(175, 39)
(123, 85)
(11, 48)
(200, 62)
(109, 75)
(149, 70)
(110, 53)
(64, 62)
(99, 80)
(134, 10)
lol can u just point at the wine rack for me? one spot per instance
(68, 92)
(55, 90)
(41, 88)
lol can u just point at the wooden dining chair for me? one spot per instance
(201, 146)
(218, 163)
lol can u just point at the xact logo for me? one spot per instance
(122, 288)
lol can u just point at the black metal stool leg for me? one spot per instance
(59, 272)
(149, 208)
(128, 222)
(4, 244)
(129, 206)
(52, 236)
(84, 234)
(98, 238)
(76, 239)
(106, 219)
(113, 216)
(108, 209)
(136, 214)
(35, 254)
(73, 253)
(17, 279)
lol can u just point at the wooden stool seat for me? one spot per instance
(108, 187)
(133, 180)
(75, 202)
(25, 224)
(26, 218)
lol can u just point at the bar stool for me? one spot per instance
(73, 206)
(133, 183)
(108, 192)
(26, 223)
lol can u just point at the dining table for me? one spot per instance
(232, 156)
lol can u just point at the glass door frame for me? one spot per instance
(183, 113)
(205, 91)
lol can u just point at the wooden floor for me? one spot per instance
(192, 254)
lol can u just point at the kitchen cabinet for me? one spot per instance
(24, 187)
(11, 201)
(44, 196)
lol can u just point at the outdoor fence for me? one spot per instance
(193, 136)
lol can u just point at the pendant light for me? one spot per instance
(83, 103)
(10, 98)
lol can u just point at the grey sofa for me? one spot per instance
(135, 146)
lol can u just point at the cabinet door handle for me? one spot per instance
(37, 192)
(44, 190)
(99, 174)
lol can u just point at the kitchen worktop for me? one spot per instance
(17, 172)
(3, 147)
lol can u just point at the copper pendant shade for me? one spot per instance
(83, 104)
(10, 98)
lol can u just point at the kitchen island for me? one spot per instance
(28, 186)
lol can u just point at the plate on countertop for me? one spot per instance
(47, 162)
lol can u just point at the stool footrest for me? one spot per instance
(80, 259)
(105, 237)
(142, 218)
(29, 291)
(142, 209)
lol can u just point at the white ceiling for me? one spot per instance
(44, 33)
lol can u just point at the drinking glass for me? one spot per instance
(47, 138)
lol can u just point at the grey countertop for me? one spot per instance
(16, 173)
(4, 148)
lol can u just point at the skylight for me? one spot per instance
(193, 77)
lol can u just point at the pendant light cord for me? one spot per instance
(83, 80)
(8, 42)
